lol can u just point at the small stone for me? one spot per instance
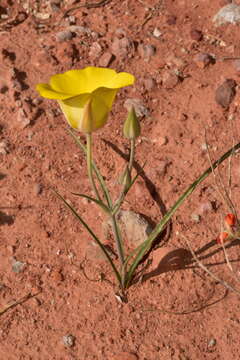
(80, 30)
(149, 83)
(3, 148)
(236, 64)
(178, 62)
(202, 60)
(37, 189)
(205, 207)
(196, 218)
(135, 227)
(169, 80)
(125, 356)
(171, 20)
(140, 109)
(146, 51)
(161, 140)
(157, 33)
(23, 119)
(95, 50)
(18, 266)
(62, 36)
(161, 167)
(212, 342)
(121, 47)
(196, 35)
(228, 14)
(69, 340)
(225, 93)
(42, 16)
(106, 59)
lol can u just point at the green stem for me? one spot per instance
(96, 170)
(89, 165)
(118, 240)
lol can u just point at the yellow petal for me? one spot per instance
(73, 109)
(87, 80)
(46, 91)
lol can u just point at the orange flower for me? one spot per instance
(230, 219)
(222, 237)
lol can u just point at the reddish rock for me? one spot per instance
(225, 93)
(106, 59)
(196, 35)
(146, 51)
(95, 50)
(149, 83)
(121, 47)
(171, 20)
(236, 64)
(202, 60)
(169, 80)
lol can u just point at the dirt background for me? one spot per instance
(178, 311)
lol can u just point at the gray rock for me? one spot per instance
(228, 14)
(146, 51)
(69, 340)
(141, 110)
(225, 93)
(18, 266)
(62, 36)
(212, 342)
(134, 227)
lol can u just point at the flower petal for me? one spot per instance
(74, 82)
(73, 109)
(46, 91)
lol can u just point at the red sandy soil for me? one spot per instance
(178, 311)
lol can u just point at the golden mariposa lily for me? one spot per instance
(86, 96)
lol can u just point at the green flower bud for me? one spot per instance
(131, 127)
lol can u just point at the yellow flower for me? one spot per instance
(85, 96)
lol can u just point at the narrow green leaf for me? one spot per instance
(98, 202)
(74, 212)
(146, 245)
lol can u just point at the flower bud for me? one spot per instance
(125, 179)
(131, 127)
(230, 219)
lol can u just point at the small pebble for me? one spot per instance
(17, 266)
(69, 340)
(169, 80)
(146, 51)
(196, 218)
(236, 64)
(140, 108)
(196, 35)
(225, 93)
(202, 60)
(95, 50)
(106, 59)
(37, 189)
(171, 20)
(157, 33)
(212, 342)
(62, 36)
